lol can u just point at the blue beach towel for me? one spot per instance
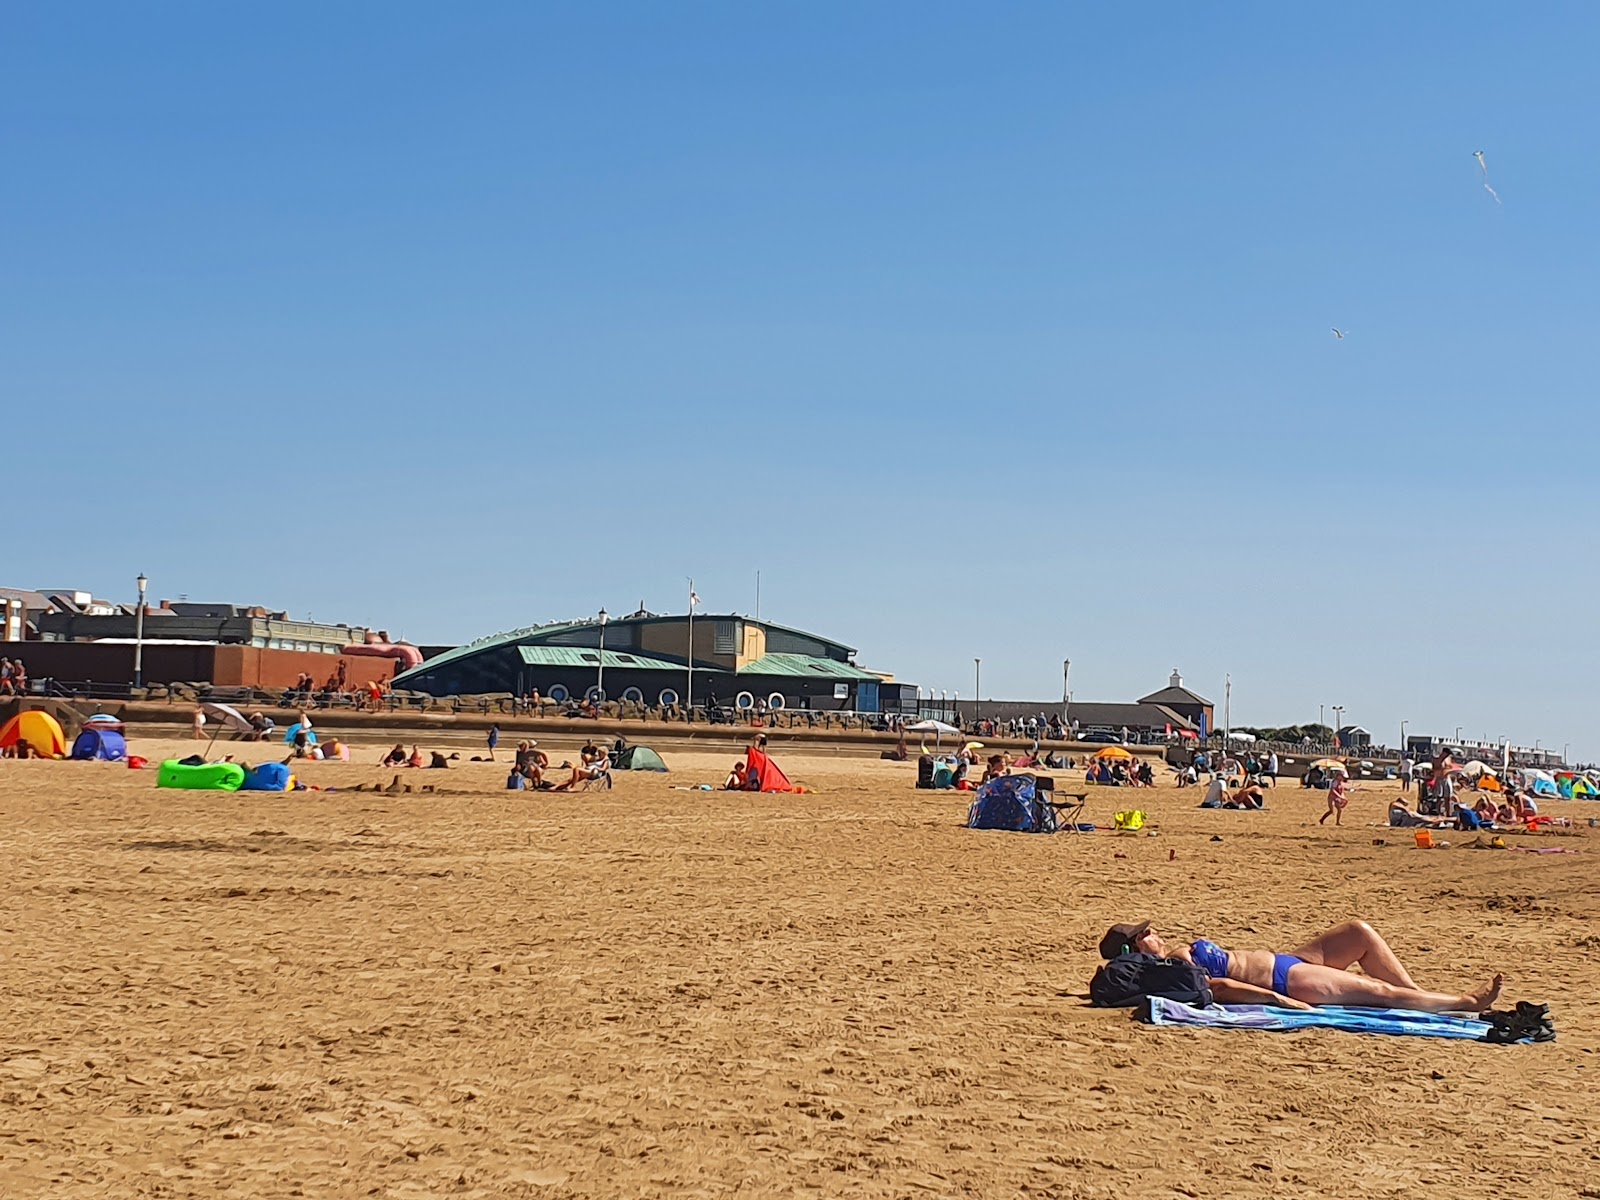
(1159, 1011)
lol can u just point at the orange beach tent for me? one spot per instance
(765, 775)
(38, 729)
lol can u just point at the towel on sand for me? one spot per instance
(1159, 1011)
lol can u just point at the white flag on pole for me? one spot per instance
(693, 598)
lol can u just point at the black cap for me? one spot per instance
(1119, 939)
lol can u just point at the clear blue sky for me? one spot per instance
(996, 331)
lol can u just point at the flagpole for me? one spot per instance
(688, 692)
(1227, 713)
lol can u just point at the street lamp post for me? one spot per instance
(600, 671)
(977, 685)
(1338, 722)
(1402, 737)
(138, 634)
(1458, 733)
(1321, 720)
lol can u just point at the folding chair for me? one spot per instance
(1064, 813)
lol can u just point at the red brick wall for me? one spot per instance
(248, 666)
(226, 666)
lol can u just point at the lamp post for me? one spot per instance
(1320, 720)
(1458, 733)
(977, 685)
(1338, 722)
(138, 634)
(1402, 737)
(600, 671)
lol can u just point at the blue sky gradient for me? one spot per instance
(454, 321)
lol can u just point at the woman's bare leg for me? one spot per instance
(1354, 942)
(1314, 984)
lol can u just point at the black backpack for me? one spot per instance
(1128, 978)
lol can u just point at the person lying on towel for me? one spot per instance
(1317, 973)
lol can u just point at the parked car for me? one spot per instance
(1100, 735)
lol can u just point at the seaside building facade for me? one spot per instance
(74, 639)
(650, 659)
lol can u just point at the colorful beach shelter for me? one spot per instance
(1011, 802)
(40, 730)
(104, 745)
(764, 775)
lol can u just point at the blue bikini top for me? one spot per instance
(1210, 958)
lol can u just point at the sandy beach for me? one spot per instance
(659, 992)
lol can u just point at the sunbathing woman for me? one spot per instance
(594, 766)
(1316, 973)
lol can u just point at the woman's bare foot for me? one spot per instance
(1485, 1000)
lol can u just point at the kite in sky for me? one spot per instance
(1484, 167)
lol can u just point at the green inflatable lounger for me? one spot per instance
(203, 777)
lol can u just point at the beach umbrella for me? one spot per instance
(1113, 752)
(1477, 767)
(937, 728)
(224, 716)
(227, 715)
(102, 721)
(1331, 764)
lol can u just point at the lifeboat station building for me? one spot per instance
(657, 660)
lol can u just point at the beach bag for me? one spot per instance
(1129, 820)
(1129, 978)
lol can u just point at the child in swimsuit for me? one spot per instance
(1337, 800)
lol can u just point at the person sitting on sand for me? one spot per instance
(1316, 973)
(736, 777)
(416, 758)
(995, 768)
(900, 753)
(439, 762)
(395, 757)
(1250, 796)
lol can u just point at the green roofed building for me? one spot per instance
(646, 659)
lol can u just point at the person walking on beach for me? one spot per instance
(1338, 799)
(1408, 766)
(199, 720)
(493, 739)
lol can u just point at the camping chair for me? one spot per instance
(1064, 813)
(599, 776)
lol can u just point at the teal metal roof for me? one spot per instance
(803, 666)
(585, 656)
(538, 633)
(489, 642)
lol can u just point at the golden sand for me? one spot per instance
(654, 992)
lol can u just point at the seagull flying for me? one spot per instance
(1338, 334)
(1484, 167)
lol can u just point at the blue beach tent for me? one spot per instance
(105, 744)
(1011, 802)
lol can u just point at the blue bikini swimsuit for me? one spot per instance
(1213, 960)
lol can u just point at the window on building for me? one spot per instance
(725, 640)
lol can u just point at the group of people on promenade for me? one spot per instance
(13, 677)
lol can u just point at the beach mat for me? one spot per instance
(1159, 1011)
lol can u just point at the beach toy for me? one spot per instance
(136, 762)
(1424, 839)
(201, 777)
(1128, 820)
